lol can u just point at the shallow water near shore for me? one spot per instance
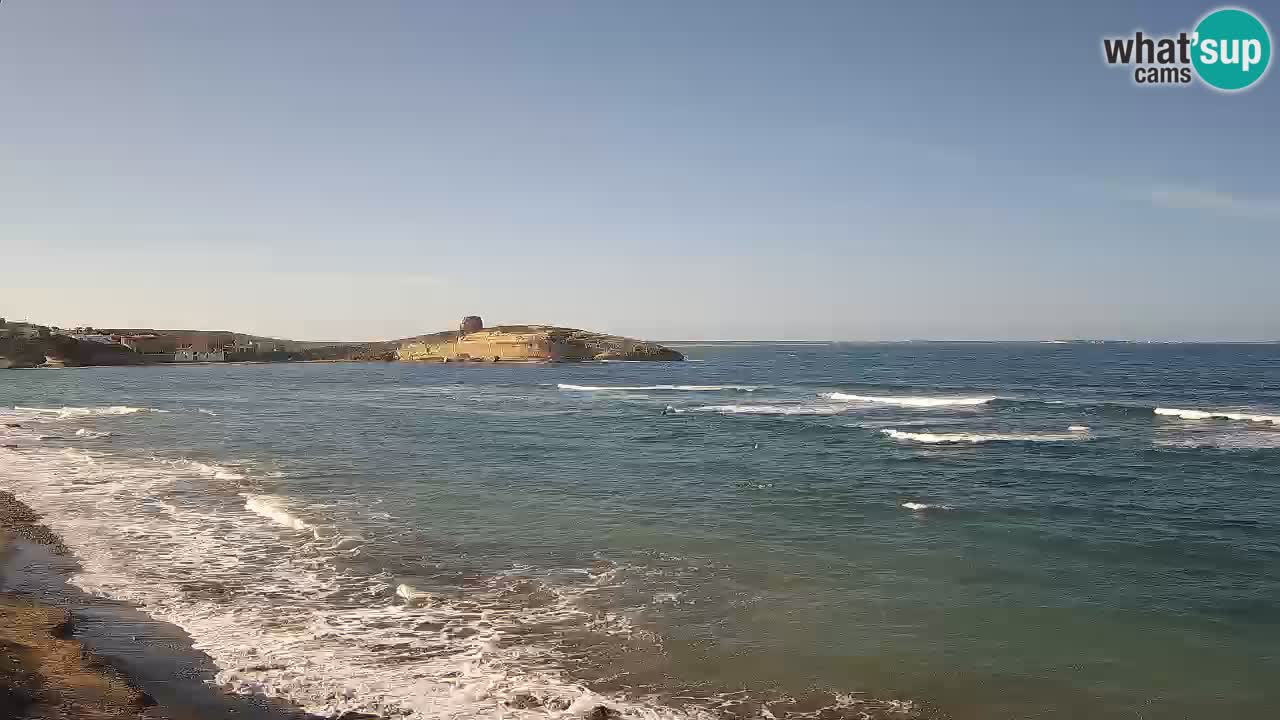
(954, 530)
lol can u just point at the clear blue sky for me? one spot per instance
(843, 170)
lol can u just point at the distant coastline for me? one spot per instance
(28, 345)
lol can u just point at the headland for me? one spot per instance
(27, 345)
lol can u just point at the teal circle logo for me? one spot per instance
(1232, 49)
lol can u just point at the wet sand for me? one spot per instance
(64, 654)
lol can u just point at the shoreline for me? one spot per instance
(65, 654)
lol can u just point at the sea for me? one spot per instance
(826, 531)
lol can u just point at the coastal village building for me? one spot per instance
(204, 348)
(22, 330)
(154, 345)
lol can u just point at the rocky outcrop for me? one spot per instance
(530, 343)
(63, 351)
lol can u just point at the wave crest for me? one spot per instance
(1217, 415)
(918, 402)
(764, 409)
(922, 507)
(68, 411)
(272, 508)
(979, 438)
(91, 434)
(683, 388)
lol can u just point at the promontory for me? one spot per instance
(472, 342)
(26, 345)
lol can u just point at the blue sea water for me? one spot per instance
(952, 530)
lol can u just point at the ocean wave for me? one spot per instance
(69, 412)
(91, 434)
(763, 409)
(1240, 440)
(914, 402)
(922, 507)
(682, 388)
(217, 472)
(1217, 415)
(272, 508)
(979, 438)
(281, 614)
(412, 595)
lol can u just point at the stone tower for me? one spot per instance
(470, 324)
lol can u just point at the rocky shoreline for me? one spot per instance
(50, 664)
(64, 657)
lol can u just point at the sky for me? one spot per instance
(668, 170)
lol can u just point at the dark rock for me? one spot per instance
(13, 425)
(603, 712)
(524, 701)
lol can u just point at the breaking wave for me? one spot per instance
(1217, 415)
(280, 614)
(217, 472)
(91, 434)
(922, 507)
(272, 508)
(683, 388)
(979, 438)
(917, 402)
(763, 409)
(68, 412)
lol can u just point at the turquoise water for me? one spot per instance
(954, 530)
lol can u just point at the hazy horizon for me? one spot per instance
(331, 171)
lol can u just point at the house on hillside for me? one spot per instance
(159, 347)
(211, 347)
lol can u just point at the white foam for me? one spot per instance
(272, 508)
(978, 438)
(683, 388)
(1218, 415)
(217, 472)
(916, 402)
(764, 409)
(68, 412)
(91, 434)
(412, 595)
(280, 615)
(921, 507)
(1078, 428)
